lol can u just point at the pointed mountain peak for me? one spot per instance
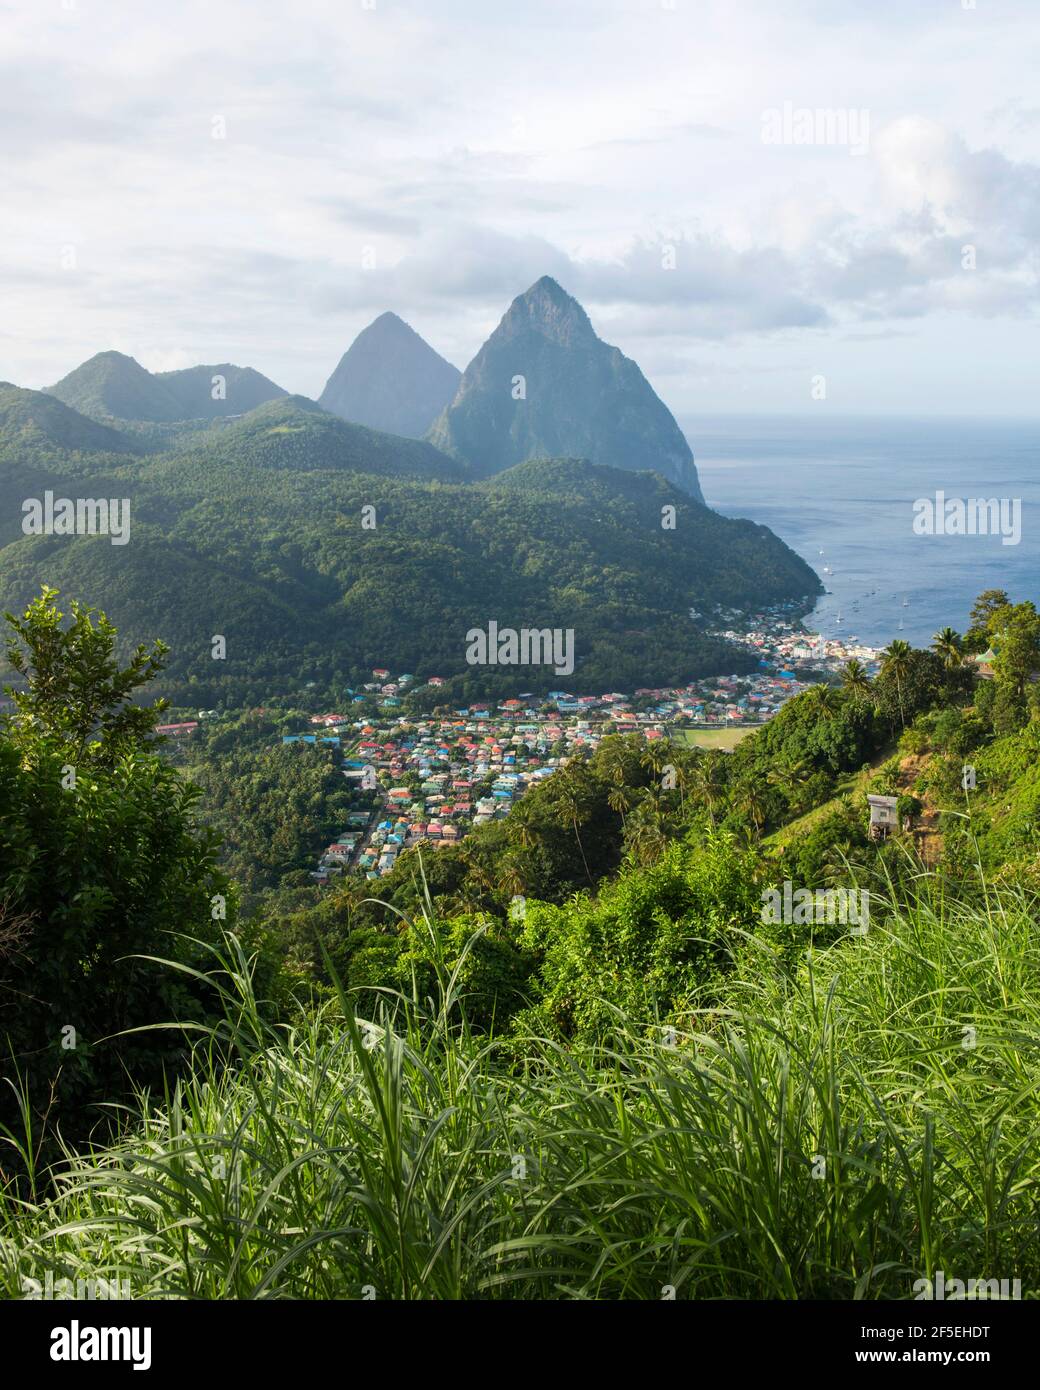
(388, 320)
(390, 379)
(545, 386)
(548, 309)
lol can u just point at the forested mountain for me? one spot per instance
(319, 549)
(545, 386)
(112, 386)
(296, 433)
(390, 379)
(35, 425)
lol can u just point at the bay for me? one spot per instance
(840, 491)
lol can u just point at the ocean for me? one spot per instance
(840, 492)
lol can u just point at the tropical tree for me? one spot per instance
(619, 799)
(949, 646)
(569, 804)
(75, 691)
(855, 680)
(645, 836)
(521, 825)
(708, 781)
(895, 662)
(749, 797)
(820, 699)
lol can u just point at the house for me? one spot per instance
(984, 664)
(884, 816)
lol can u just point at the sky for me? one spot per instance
(828, 205)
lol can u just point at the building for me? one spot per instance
(884, 816)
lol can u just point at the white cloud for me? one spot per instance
(472, 148)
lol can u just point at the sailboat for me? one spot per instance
(906, 602)
(902, 625)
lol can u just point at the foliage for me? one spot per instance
(102, 862)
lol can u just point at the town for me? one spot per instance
(428, 779)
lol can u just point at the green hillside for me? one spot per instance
(318, 549)
(296, 433)
(35, 426)
(111, 385)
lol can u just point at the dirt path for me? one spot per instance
(927, 835)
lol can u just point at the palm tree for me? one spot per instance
(748, 797)
(521, 824)
(790, 779)
(569, 804)
(949, 644)
(708, 782)
(855, 680)
(820, 700)
(652, 759)
(513, 878)
(619, 799)
(895, 662)
(646, 840)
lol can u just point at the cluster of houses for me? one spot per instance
(781, 645)
(435, 777)
(433, 780)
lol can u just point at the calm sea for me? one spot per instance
(841, 491)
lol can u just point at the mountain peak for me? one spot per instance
(548, 309)
(388, 319)
(545, 386)
(390, 379)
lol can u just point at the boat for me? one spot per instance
(906, 603)
(827, 569)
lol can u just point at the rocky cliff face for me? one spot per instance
(545, 386)
(390, 379)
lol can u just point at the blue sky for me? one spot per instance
(436, 157)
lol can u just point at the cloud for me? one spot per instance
(437, 156)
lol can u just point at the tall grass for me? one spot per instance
(835, 1133)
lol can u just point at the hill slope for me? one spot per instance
(296, 433)
(244, 389)
(256, 533)
(36, 423)
(111, 385)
